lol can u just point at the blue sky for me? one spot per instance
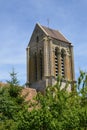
(18, 19)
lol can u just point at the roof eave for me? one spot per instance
(61, 40)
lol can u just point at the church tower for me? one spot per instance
(49, 54)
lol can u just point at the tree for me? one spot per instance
(82, 90)
(52, 111)
(57, 109)
(11, 104)
(14, 81)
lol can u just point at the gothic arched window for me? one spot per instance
(62, 64)
(56, 62)
(35, 66)
(37, 39)
(41, 62)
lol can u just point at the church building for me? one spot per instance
(49, 55)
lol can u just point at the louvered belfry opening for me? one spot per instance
(62, 64)
(35, 66)
(56, 62)
(41, 62)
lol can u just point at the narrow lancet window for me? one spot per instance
(56, 62)
(35, 66)
(41, 69)
(37, 39)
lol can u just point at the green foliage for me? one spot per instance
(8, 125)
(14, 91)
(10, 106)
(57, 109)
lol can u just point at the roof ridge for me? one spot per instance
(49, 28)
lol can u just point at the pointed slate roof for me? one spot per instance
(54, 33)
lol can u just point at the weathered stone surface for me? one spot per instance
(29, 92)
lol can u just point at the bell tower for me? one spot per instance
(49, 54)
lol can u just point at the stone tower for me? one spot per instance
(49, 54)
